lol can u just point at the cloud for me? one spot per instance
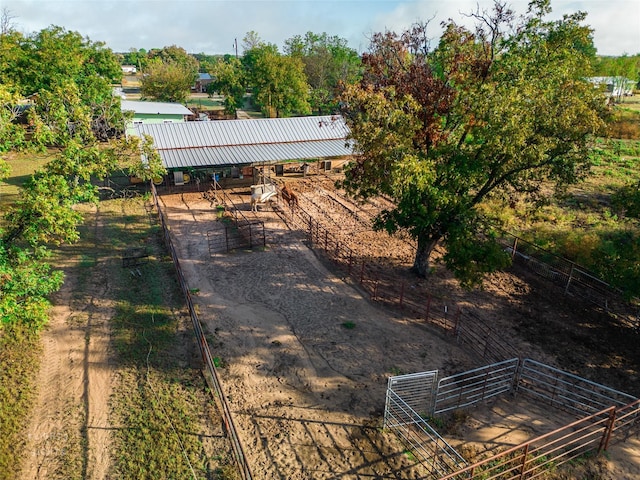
(211, 26)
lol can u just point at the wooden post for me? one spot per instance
(401, 293)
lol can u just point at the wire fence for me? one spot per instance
(572, 278)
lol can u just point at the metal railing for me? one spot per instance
(579, 439)
(573, 278)
(566, 391)
(474, 386)
(436, 455)
(608, 412)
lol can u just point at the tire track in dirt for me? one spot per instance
(69, 431)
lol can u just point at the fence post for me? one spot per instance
(566, 289)
(524, 461)
(401, 293)
(515, 245)
(362, 273)
(606, 436)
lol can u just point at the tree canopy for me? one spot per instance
(504, 108)
(278, 82)
(71, 113)
(329, 64)
(169, 74)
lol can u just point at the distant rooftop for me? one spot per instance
(154, 108)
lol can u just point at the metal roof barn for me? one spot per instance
(235, 142)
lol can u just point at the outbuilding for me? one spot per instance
(153, 112)
(236, 152)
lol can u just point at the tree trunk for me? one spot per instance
(421, 265)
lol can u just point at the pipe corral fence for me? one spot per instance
(409, 402)
(607, 415)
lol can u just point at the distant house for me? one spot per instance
(204, 79)
(153, 112)
(615, 86)
(129, 69)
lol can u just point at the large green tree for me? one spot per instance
(167, 81)
(498, 110)
(228, 80)
(329, 64)
(278, 82)
(72, 113)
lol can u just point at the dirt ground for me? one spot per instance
(308, 393)
(304, 356)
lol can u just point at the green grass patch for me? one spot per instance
(160, 399)
(595, 223)
(22, 166)
(19, 360)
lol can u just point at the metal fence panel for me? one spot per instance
(567, 391)
(438, 457)
(473, 386)
(416, 390)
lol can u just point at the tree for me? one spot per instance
(228, 80)
(501, 109)
(167, 82)
(73, 112)
(281, 85)
(328, 64)
(169, 75)
(278, 82)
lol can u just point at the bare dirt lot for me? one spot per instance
(305, 356)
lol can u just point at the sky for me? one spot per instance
(214, 26)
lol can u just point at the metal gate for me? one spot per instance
(417, 391)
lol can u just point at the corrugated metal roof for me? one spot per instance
(220, 133)
(231, 142)
(244, 154)
(154, 108)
